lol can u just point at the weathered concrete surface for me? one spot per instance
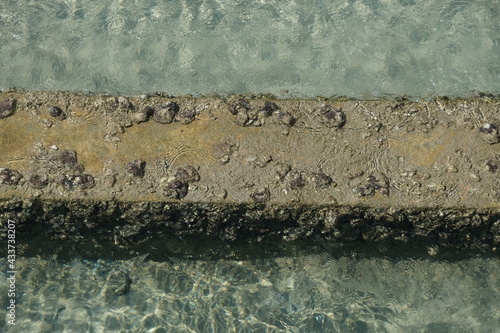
(123, 170)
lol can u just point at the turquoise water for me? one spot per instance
(310, 293)
(302, 48)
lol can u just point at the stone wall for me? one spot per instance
(115, 172)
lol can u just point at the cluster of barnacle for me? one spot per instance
(492, 165)
(296, 179)
(128, 114)
(177, 185)
(489, 133)
(372, 184)
(165, 113)
(64, 165)
(136, 168)
(65, 160)
(62, 168)
(10, 176)
(223, 151)
(82, 181)
(248, 114)
(261, 195)
(331, 116)
(70, 172)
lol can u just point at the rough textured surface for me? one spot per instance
(249, 168)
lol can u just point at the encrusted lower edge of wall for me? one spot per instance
(117, 229)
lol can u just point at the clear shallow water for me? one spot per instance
(302, 48)
(312, 293)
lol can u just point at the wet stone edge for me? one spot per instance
(124, 228)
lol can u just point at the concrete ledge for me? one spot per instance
(119, 172)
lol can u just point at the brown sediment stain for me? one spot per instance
(187, 144)
(86, 116)
(17, 134)
(20, 133)
(85, 138)
(424, 149)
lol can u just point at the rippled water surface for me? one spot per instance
(357, 48)
(311, 293)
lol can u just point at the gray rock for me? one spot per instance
(7, 108)
(489, 133)
(261, 195)
(38, 181)
(332, 116)
(56, 112)
(136, 168)
(165, 114)
(10, 176)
